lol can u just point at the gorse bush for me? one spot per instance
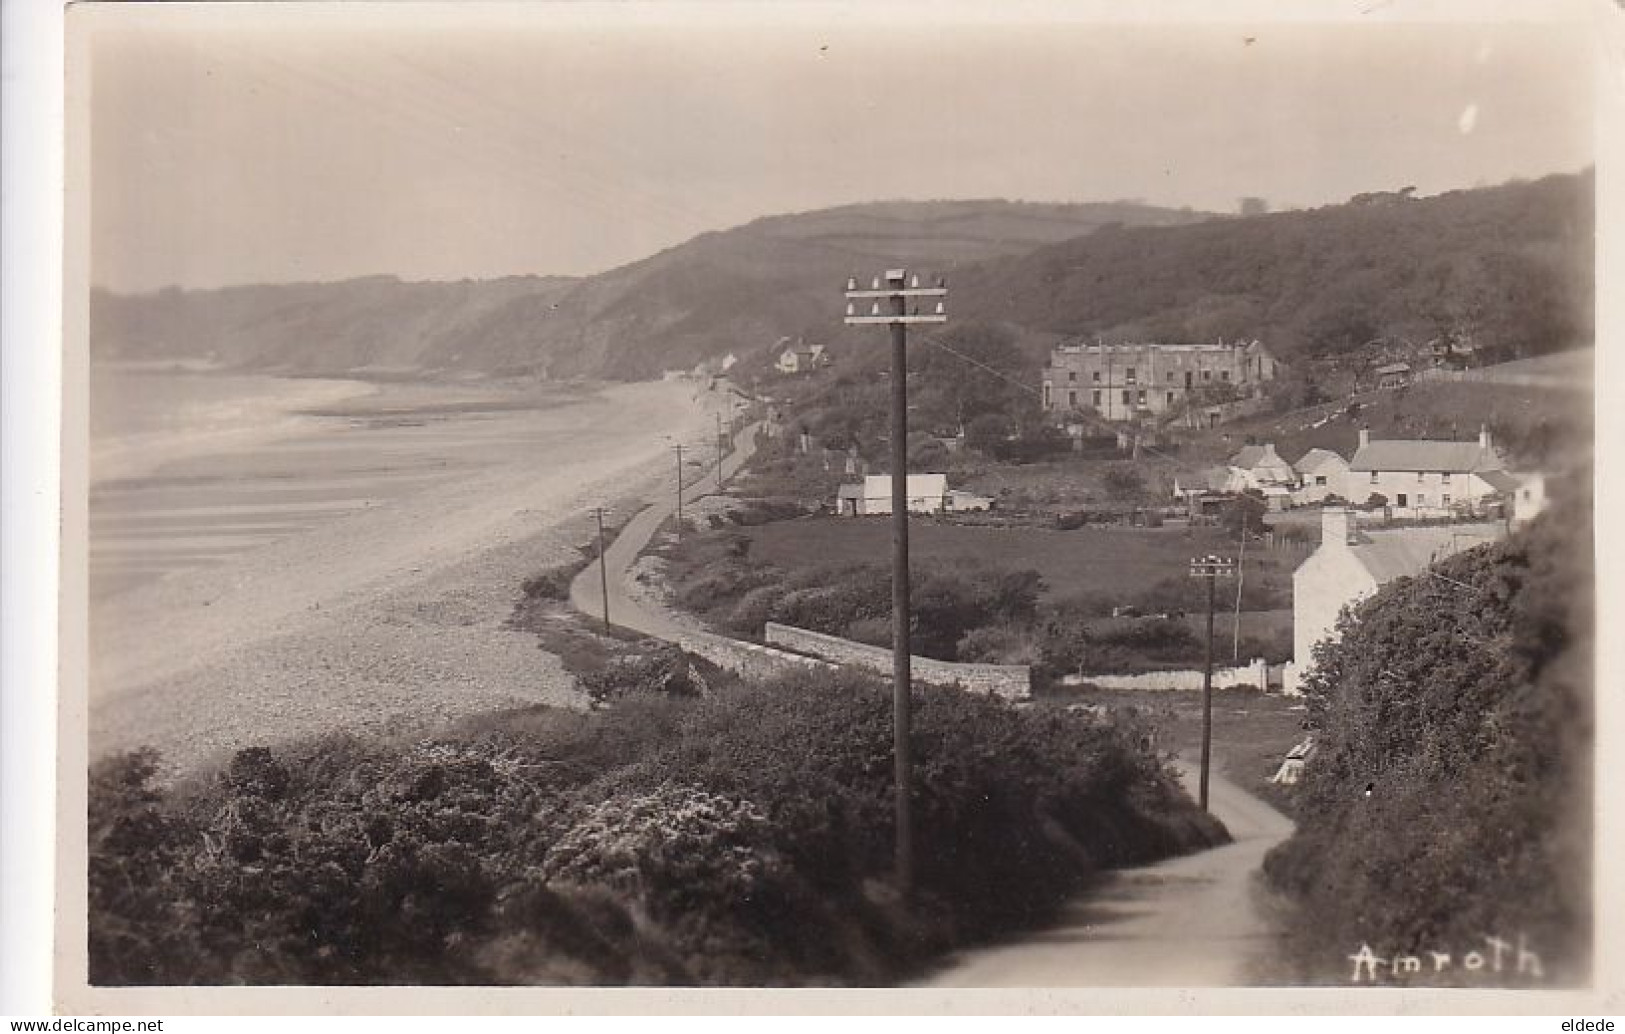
(743, 837)
(1450, 799)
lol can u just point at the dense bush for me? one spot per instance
(1450, 799)
(740, 838)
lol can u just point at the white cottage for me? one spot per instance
(1421, 478)
(1321, 473)
(1350, 565)
(927, 493)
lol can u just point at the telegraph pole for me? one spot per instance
(603, 563)
(679, 448)
(892, 293)
(722, 444)
(1211, 568)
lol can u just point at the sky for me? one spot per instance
(248, 143)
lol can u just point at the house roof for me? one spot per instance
(1254, 456)
(849, 492)
(1315, 459)
(1500, 480)
(1400, 454)
(1395, 368)
(1387, 555)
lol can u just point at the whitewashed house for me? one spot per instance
(800, 358)
(1321, 473)
(1528, 498)
(1421, 478)
(1350, 565)
(927, 493)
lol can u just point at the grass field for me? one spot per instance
(1111, 561)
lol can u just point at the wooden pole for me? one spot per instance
(902, 676)
(1207, 689)
(603, 565)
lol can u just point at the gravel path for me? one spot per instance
(390, 619)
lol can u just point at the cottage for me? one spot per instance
(1320, 473)
(1528, 498)
(927, 493)
(1419, 478)
(1394, 375)
(800, 358)
(1350, 565)
(1258, 467)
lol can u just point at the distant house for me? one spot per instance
(1529, 497)
(927, 493)
(1321, 473)
(800, 358)
(1350, 565)
(968, 502)
(1258, 467)
(1394, 375)
(1422, 478)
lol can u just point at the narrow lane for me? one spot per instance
(1194, 921)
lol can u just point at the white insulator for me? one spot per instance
(875, 286)
(849, 309)
(940, 309)
(875, 309)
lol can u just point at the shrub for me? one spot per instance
(1450, 796)
(736, 838)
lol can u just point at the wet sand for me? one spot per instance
(356, 575)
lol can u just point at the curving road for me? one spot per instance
(1195, 921)
(586, 591)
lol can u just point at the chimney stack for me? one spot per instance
(1365, 437)
(1336, 526)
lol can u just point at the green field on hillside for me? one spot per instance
(1115, 561)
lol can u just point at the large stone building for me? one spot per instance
(1131, 381)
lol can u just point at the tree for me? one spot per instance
(1245, 515)
(979, 371)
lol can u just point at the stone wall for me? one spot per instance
(1254, 674)
(747, 660)
(1009, 681)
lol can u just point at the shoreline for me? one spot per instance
(394, 614)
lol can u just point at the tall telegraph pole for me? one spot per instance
(679, 449)
(888, 299)
(1211, 568)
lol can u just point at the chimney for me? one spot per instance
(1365, 437)
(1483, 436)
(1336, 526)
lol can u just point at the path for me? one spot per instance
(1194, 921)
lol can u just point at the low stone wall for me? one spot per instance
(1010, 681)
(747, 660)
(1254, 674)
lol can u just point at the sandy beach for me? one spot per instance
(354, 573)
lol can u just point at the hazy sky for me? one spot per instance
(240, 144)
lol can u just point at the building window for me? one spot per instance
(1046, 397)
(1141, 398)
(1072, 399)
(1401, 500)
(1126, 394)
(1445, 477)
(1170, 398)
(1207, 375)
(1131, 375)
(1224, 375)
(1374, 474)
(1097, 398)
(1170, 376)
(1320, 480)
(1421, 500)
(1097, 377)
(1420, 477)
(1447, 499)
(1071, 375)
